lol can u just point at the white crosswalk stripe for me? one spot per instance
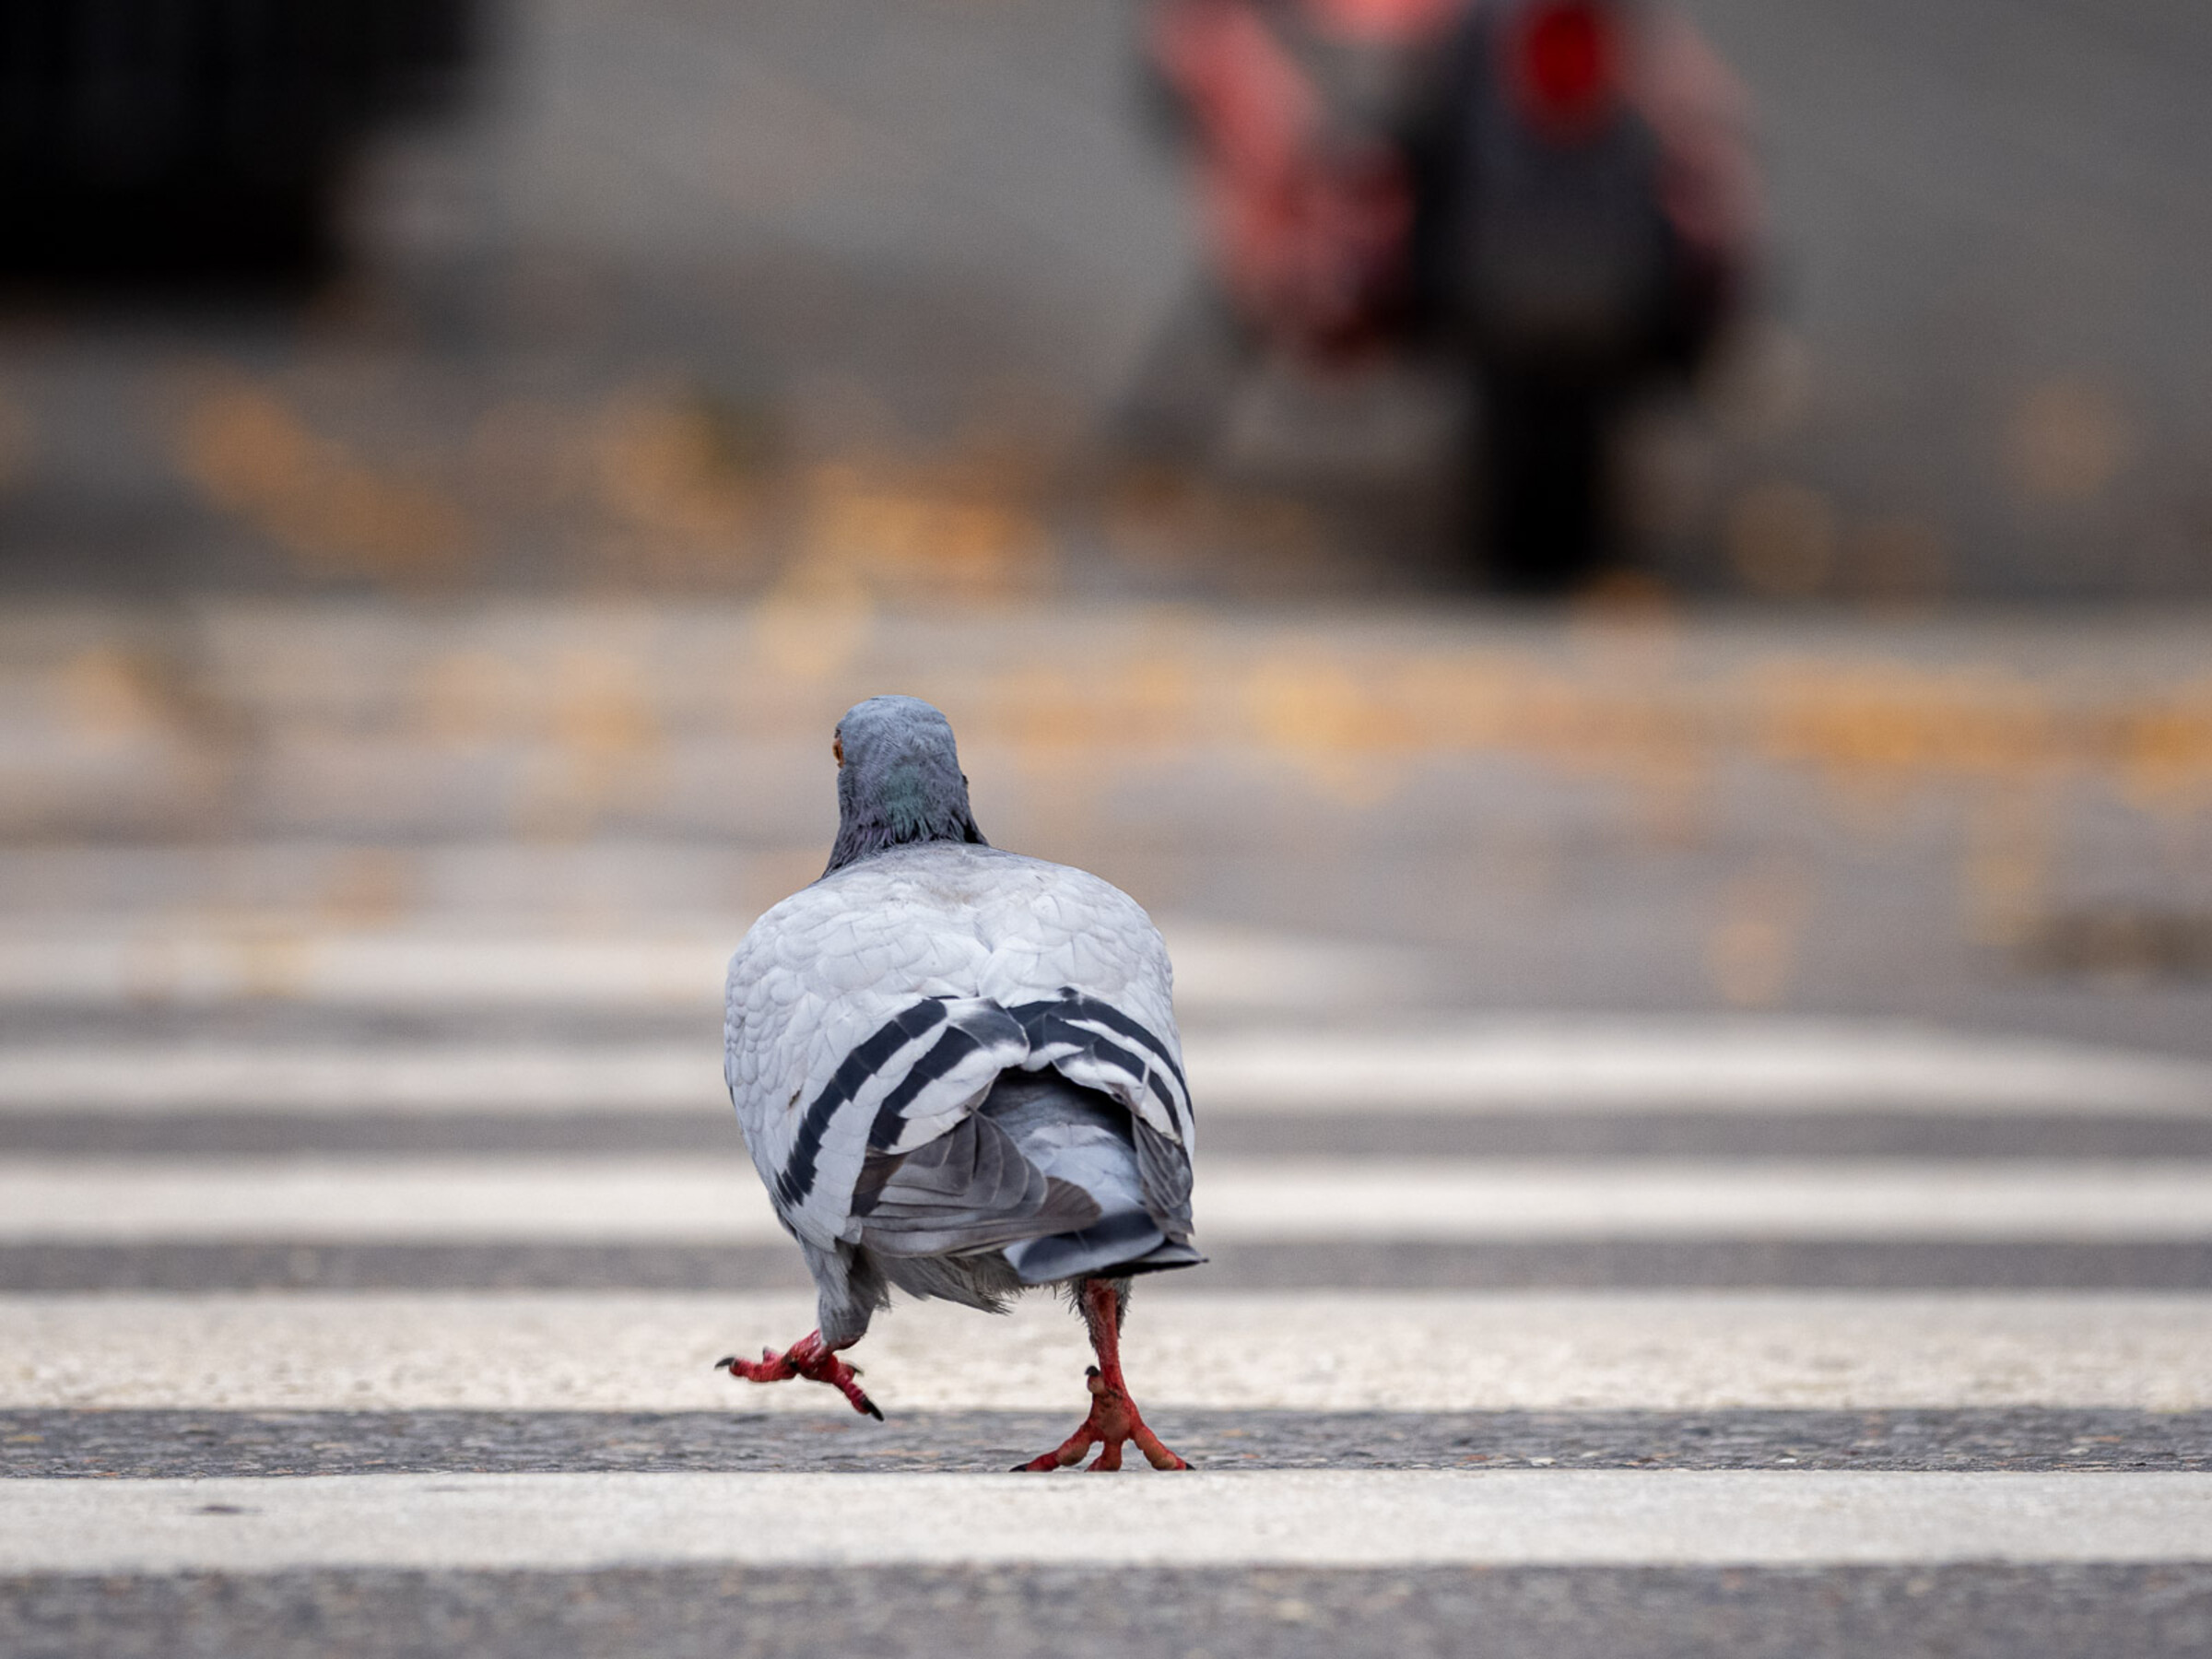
(153, 962)
(1396, 1517)
(1246, 1200)
(1499, 1066)
(1309, 1350)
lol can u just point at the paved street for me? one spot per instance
(1690, 1159)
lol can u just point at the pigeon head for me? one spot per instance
(899, 780)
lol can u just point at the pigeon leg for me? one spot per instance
(1113, 1419)
(808, 1358)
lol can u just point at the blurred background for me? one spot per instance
(1880, 305)
(457, 460)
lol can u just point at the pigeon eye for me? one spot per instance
(837, 749)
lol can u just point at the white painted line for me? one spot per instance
(1317, 1518)
(1712, 1065)
(1332, 1351)
(316, 1200)
(348, 1078)
(301, 960)
(1441, 1199)
(1496, 1068)
(1240, 1201)
(198, 969)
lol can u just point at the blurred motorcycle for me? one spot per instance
(1555, 195)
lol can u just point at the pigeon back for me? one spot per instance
(870, 1016)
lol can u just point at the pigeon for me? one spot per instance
(957, 1073)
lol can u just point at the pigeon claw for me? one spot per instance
(808, 1358)
(1113, 1422)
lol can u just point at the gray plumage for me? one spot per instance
(956, 1068)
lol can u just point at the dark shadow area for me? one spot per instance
(153, 149)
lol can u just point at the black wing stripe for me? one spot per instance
(1038, 1017)
(1043, 1022)
(1051, 1028)
(952, 1048)
(1106, 1015)
(850, 1077)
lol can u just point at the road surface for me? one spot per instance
(1669, 1188)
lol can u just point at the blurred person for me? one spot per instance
(1555, 197)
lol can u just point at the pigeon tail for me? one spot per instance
(1116, 1247)
(1083, 1138)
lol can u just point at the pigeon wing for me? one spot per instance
(845, 1032)
(1085, 972)
(1080, 965)
(967, 1189)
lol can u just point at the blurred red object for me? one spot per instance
(1565, 67)
(1311, 208)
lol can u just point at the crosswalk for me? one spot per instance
(1640, 1321)
(371, 1213)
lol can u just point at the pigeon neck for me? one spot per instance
(900, 812)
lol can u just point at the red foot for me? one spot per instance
(1113, 1422)
(809, 1358)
